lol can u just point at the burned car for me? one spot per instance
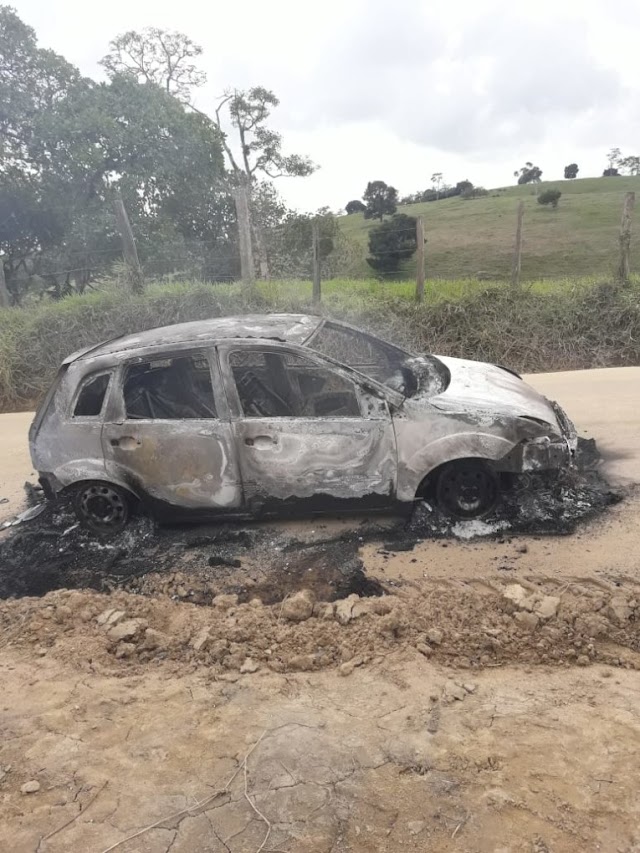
(248, 416)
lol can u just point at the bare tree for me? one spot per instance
(157, 56)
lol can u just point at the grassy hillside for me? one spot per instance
(465, 237)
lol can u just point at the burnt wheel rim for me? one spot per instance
(103, 506)
(468, 492)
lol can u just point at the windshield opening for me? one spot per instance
(388, 364)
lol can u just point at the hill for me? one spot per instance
(468, 236)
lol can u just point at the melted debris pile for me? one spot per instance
(196, 564)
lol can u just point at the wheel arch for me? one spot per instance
(416, 471)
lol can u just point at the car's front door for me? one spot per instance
(169, 436)
(305, 431)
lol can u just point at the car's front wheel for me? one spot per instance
(102, 507)
(467, 488)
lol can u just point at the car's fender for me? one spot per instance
(415, 464)
(82, 470)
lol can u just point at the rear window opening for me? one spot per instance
(169, 389)
(91, 397)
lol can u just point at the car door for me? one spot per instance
(169, 435)
(305, 430)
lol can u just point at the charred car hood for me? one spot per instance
(484, 387)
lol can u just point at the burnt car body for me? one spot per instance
(244, 416)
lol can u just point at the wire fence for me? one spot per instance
(302, 252)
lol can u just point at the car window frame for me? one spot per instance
(363, 384)
(118, 410)
(81, 385)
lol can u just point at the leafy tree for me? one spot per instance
(157, 56)
(631, 164)
(571, 171)
(528, 174)
(550, 196)
(392, 242)
(68, 144)
(380, 199)
(463, 186)
(355, 206)
(619, 163)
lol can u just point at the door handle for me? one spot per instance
(261, 440)
(127, 442)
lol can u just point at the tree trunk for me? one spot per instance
(5, 300)
(241, 198)
(624, 269)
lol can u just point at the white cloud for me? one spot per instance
(372, 89)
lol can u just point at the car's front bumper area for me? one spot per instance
(547, 453)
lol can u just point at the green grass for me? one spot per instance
(466, 237)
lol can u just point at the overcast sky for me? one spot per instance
(398, 89)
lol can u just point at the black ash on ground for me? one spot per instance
(256, 560)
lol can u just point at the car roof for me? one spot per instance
(293, 328)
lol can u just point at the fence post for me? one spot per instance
(241, 198)
(129, 250)
(517, 253)
(419, 259)
(315, 237)
(624, 270)
(5, 302)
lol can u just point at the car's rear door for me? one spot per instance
(168, 434)
(306, 432)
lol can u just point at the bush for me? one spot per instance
(551, 197)
(474, 192)
(391, 242)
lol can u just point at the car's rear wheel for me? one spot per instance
(102, 507)
(467, 488)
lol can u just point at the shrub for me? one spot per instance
(391, 242)
(551, 197)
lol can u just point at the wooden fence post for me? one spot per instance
(624, 269)
(241, 198)
(136, 279)
(419, 259)
(315, 239)
(5, 301)
(517, 253)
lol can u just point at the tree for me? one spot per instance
(392, 242)
(436, 180)
(463, 186)
(611, 172)
(260, 148)
(528, 174)
(613, 158)
(631, 164)
(355, 206)
(68, 144)
(550, 196)
(157, 56)
(571, 171)
(380, 199)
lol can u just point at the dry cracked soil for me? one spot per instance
(338, 685)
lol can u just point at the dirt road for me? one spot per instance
(489, 701)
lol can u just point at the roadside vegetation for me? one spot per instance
(546, 326)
